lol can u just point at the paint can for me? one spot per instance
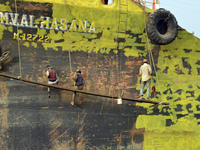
(119, 100)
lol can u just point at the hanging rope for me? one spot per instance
(150, 54)
(19, 52)
(69, 52)
(117, 51)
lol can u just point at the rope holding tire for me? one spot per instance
(161, 27)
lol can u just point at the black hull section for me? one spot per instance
(38, 122)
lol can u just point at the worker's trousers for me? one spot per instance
(50, 82)
(76, 88)
(148, 84)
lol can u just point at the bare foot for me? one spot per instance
(140, 97)
(72, 103)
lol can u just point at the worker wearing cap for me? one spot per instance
(78, 79)
(145, 72)
(52, 77)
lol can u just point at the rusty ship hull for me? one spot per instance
(93, 37)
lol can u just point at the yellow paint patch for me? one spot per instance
(171, 140)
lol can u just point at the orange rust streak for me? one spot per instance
(5, 106)
(55, 128)
(19, 117)
(59, 136)
(45, 107)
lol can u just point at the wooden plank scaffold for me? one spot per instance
(83, 92)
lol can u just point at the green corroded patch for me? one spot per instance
(5, 7)
(26, 44)
(2, 28)
(105, 39)
(106, 31)
(178, 77)
(171, 140)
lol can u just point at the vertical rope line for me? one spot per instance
(19, 51)
(156, 75)
(69, 52)
(112, 58)
(117, 67)
(151, 55)
(117, 48)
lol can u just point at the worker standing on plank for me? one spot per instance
(78, 79)
(145, 72)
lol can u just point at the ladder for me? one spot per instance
(121, 38)
(122, 24)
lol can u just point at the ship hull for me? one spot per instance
(92, 37)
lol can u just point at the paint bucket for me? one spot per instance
(119, 100)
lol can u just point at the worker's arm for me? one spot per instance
(75, 77)
(140, 72)
(47, 74)
(150, 71)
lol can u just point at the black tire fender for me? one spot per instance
(161, 27)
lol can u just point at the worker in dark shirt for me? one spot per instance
(78, 79)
